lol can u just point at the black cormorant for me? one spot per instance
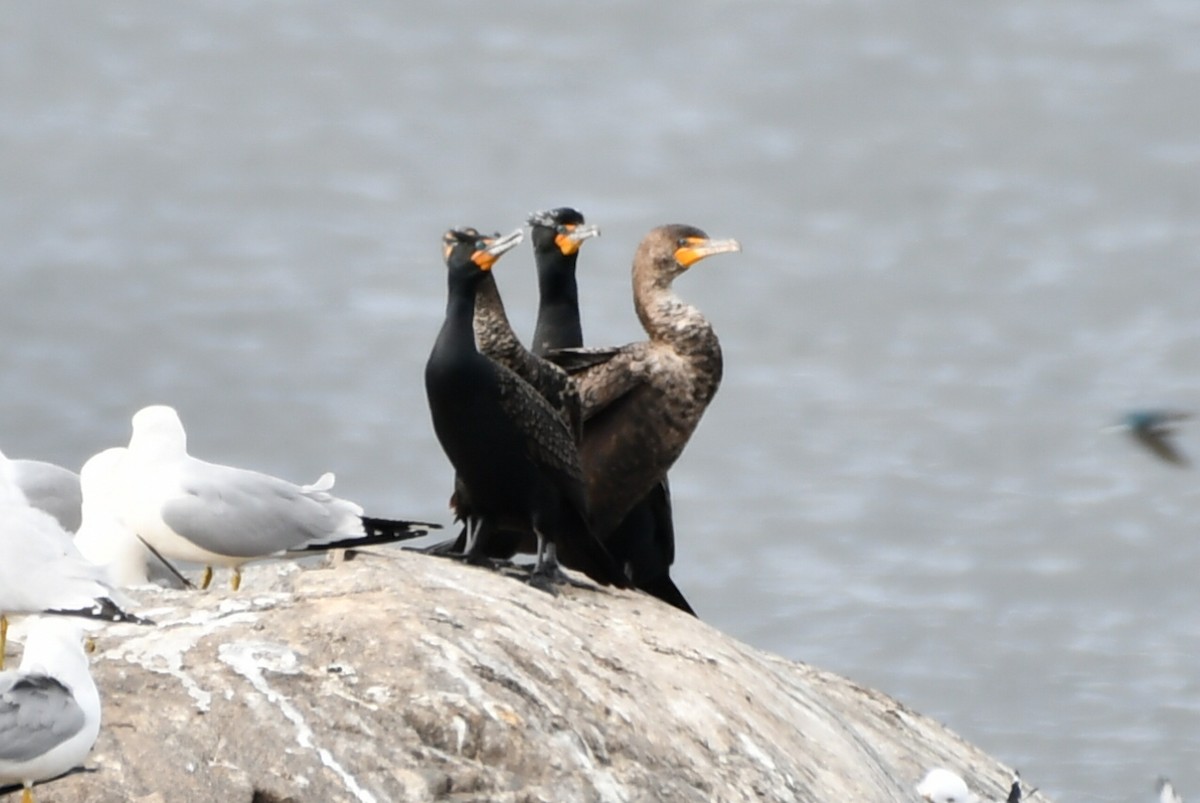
(516, 460)
(557, 235)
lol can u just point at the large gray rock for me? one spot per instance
(401, 677)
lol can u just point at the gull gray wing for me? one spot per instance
(37, 713)
(51, 488)
(245, 514)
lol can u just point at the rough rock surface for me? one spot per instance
(400, 676)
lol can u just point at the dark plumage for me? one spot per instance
(517, 462)
(557, 235)
(497, 341)
(641, 402)
(644, 541)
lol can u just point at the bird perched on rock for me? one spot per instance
(49, 707)
(217, 515)
(104, 539)
(47, 487)
(516, 460)
(644, 541)
(641, 403)
(496, 340)
(943, 786)
(41, 571)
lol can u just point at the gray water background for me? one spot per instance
(970, 241)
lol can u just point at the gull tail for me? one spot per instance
(396, 529)
(375, 531)
(103, 609)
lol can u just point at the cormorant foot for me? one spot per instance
(547, 577)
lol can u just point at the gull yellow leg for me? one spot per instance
(206, 579)
(235, 582)
(27, 795)
(3, 638)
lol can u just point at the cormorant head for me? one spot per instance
(674, 248)
(466, 247)
(561, 230)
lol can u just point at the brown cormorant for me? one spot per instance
(515, 458)
(644, 541)
(642, 401)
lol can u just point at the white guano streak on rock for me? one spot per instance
(248, 659)
(160, 649)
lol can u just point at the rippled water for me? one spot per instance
(970, 241)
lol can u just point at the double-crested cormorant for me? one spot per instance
(497, 341)
(557, 235)
(642, 401)
(644, 541)
(190, 509)
(516, 460)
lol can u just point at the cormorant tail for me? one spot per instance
(584, 552)
(665, 589)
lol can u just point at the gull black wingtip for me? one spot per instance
(105, 610)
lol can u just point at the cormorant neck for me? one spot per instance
(668, 318)
(460, 311)
(493, 332)
(558, 324)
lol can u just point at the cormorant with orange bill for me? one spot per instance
(557, 235)
(493, 539)
(641, 403)
(516, 461)
(644, 541)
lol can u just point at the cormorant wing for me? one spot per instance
(548, 441)
(603, 375)
(497, 341)
(660, 504)
(557, 388)
(576, 360)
